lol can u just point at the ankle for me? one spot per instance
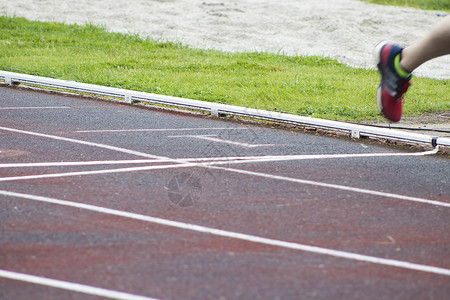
(400, 69)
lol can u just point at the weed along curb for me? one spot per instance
(219, 110)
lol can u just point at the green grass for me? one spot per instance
(314, 86)
(442, 5)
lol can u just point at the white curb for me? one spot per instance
(128, 96)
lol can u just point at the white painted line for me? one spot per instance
(208, 165)
(209, 160)
(97, 172)
(70, 286)
(236, 235)
(81, 163)
(274, 158)
(336, 186)
(211, 138)
(158, 130)
(211, 164)
(34, 107)
(60, 138)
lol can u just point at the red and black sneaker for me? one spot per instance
(394, 80)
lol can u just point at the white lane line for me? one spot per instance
(230, 159)
(157, 130)
(70, 286)
(274, 158)
(209, 165)
(236, 235)
(80, 163)
(181, 161)
(211, 138)
(113, 148)
(336, 186)
(96, 172)
(34, 107)
(212, 164)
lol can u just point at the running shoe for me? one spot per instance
(394, 80)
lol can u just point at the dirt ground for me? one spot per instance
(437, 123)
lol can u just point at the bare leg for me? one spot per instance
(435, 44)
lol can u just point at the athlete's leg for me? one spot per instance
(436, 43)
(396, 64)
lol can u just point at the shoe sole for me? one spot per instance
(379, 103)
(377, 57)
